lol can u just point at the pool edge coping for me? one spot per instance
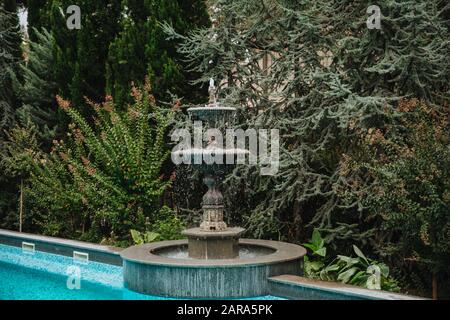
(62, 242)
(338, 288)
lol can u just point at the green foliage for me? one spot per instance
(37, 16)
(143, 237)
(360, 270)
(141, 48)
(343, 76)
(21, 151)
(317, 244)
(120, 42)
(166, 227)
(80, 55)
(105, 179)
(10, 57)
(318, 252)
(39, 88)
(409, 165)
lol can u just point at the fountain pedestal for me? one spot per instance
(213, 244)
(212, 206)
(213, 239)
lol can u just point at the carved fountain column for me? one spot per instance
(213, 239)
(212, 206)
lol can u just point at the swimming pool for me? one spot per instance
(45, 276)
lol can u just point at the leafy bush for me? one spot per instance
(360, 271)
(143, 237)
(106, 178)
(408, 165)
(167, 227)
(319, 252)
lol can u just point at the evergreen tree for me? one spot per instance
(39, 89)
(119, 42)
(98, 28)
(80, 55)
(37, 16)
(141, 47)
(410, 165)
(10, 56)
(328, 76)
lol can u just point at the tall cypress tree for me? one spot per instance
(99, 27)
(80, 55)
(142, 47)
(133, 48)
(39, 89)
(38, 16)
(10, 57)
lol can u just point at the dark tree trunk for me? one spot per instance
(435, 286)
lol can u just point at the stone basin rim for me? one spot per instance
(143, 254)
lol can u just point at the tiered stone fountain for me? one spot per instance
(213, 239)
(213, 262)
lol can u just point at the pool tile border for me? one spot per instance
(98, 253)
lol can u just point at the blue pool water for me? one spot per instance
(45, 276)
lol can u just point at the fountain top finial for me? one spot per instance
(212, 92)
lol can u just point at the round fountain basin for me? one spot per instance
(245, 252)
(164, 269)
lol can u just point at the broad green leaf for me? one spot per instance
(317, 240)
(384, 270)
(316, 265)
(348, 260)
(358, 278)
(310, 246)
(312, 267)
(136, 235)
(321, 252)
(332, 268)
(346, 275)
(360, 254)
(151, 236)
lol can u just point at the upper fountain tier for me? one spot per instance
(213, 112)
